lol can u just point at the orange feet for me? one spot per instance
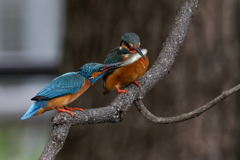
(135, 82)
(73, 109)
(68, 110)
(64, 110)
(119, 90)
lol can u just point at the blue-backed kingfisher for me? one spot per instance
(69, 86)
(66, 88)
(130, 43)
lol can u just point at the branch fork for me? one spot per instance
(116, 111)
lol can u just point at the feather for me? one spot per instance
(65, 84)
(34, 108)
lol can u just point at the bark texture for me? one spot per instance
(208, 63)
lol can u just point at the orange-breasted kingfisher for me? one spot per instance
(130, 44)
(68, 87)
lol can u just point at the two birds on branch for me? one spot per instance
(123, 65)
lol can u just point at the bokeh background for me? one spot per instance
(40, 40)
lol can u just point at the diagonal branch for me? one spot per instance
(116, 111)
(186, 116)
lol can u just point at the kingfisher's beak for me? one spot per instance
(111, 66)
(140, 52)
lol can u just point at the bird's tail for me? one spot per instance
(34, 108)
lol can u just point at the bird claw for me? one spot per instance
(64, 110)
(122, 91)
(73, 109)
(119, 90)
(68, 110)
(135, 82)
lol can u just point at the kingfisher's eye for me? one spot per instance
(127, 44)
(101, 69)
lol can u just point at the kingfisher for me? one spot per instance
(129, 44)
(66, 88)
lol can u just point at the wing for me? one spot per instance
(65, 84)
(116, 55)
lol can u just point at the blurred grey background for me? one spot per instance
(40, 40)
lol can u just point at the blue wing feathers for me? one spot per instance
(65, 84)
(68, 83)
(34, 108)
(114, 56)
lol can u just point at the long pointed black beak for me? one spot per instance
(111, 66)
(140, 52)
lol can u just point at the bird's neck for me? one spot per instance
(93, 80)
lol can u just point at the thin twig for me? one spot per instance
(186, 116)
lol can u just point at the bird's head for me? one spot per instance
(94, 71)
(131, 42)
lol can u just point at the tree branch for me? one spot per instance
(116, 111)
(186, 116)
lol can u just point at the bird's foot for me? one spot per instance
(73, 109)
(120, 90)
(135, 82)
(64, 110)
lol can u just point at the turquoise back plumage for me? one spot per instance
(65, 84)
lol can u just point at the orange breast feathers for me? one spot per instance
(64, 100)
(126, 75)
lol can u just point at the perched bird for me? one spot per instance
(130, 43)
(67, 88)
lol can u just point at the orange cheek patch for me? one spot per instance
(95, 74)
